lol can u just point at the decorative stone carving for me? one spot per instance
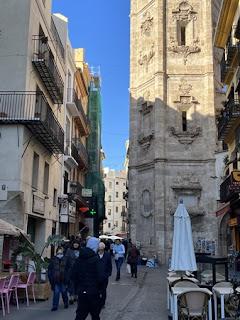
(145, 141)
(147, 24)
(146, 204)
(186, 137)
(184, 12)
(185, 87)
(185, 51)
(185, 100)
(146, 57)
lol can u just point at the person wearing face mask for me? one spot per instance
(72, 254)
(119, 253)
(106, 261)
(57, 275)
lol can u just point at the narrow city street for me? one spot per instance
(129, 299)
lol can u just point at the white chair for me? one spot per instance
(193, 305)
(186, 284)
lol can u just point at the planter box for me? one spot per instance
(42, 291)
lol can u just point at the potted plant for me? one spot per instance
(36, 261)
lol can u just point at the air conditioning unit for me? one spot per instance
(3, 192)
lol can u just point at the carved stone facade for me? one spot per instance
(172, 123)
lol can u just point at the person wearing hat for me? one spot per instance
(57, 275)
(119, 253)
(87, 275)
(106, 260)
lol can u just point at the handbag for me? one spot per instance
(128, 268)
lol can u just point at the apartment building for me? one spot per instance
(77, 128)
(32, 71)
(115, 204)
(227, 41)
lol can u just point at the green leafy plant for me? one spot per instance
(28, 252)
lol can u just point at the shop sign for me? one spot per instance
(38, 205)
(87, 193)
(235, 183)
(64, 211)
(72, 212)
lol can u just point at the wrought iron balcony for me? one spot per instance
(79, 153)
(32, 109)
(76, 193)
(230, 187)
(229, 115)
(43, 61)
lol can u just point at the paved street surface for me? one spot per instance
(130, 299)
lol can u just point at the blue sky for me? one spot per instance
(102, 28)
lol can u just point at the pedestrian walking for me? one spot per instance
(133, 255)
(87, 275)
(72, 254)
(106, 260)
(57, 274)
(119, 252)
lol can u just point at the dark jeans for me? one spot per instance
(88, 304)
(60, 288)
(119, 263)
(133, 269)
(103, 293)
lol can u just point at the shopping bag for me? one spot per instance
(128, 268)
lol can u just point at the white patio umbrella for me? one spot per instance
(103, 236)
(183, 256)
(115, 238)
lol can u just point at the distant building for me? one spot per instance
(115, 204)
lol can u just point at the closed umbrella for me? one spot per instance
(183, 256)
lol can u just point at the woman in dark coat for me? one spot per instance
(133, 255)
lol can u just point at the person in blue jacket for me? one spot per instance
(119, 253)
(106, 260)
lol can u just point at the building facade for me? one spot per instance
(32, 67)
(115, 205)
(172, 122)
(227, 42)
(77, 128)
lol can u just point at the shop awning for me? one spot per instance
(84, 209)
(223, 209)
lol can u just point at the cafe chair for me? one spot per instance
(185, 284)
(193, 305)
(30, 283)
(9, 289)
(2, 287)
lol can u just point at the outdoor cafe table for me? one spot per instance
(176, 291)
(221, 291)
(170, 281)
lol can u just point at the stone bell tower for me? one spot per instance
(172, 122)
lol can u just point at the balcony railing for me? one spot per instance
(230, 187)
(43, 60)
(57, 39)
(76, 193)
(81, 156)
(33, 110)
(229, 115)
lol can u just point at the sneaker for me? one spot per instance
(54, 309)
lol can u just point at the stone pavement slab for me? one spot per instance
(129, 299)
